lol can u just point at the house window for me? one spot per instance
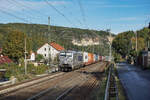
(45, 55)
(45, 49)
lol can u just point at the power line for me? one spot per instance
(78, 20)
(21, 6)
(59, 12)
(14, 16)
(84, 16)
(28, 7)
(82, 10)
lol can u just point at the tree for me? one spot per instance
(140, 42)
(117, 57)
(13, 46)
(1, 39)
(122, 43)
(39, 57)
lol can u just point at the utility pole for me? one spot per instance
(110, 51)
(48, 23)
(136, 41)
(25, 61)
(93, 49)
(49, 41)
(99, 46)
(110, 48)
(81, 44)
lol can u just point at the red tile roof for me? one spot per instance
(56, 46)
(5, 59)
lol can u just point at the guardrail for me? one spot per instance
(107, 85)
(111, 81)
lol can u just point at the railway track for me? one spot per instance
(66, 88)
(12, 88)
(62, 86)
(26, 81)
(82, 92)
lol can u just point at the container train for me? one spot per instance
(71, 60)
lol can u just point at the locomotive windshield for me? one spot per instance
(63, 54)
(69, 54)
(66, 54)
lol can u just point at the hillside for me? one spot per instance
(70, 38)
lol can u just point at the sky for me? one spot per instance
(117, 15)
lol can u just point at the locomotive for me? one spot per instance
(71, 60)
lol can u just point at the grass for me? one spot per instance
(18, 71)
(121, 91)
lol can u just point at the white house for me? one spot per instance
(50, 50)
(32, 56)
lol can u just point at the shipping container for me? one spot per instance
(103, 58)
(94, 55)
(85, 58)
(100, 58)
(90, 58)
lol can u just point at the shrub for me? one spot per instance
(18, 71)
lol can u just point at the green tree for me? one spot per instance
(39, 57)
(1, 39)
(14, 45)
(122, 43)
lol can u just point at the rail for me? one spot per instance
(111, 90)
(30, 83)
(65, 93)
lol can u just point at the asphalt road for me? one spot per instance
(135, 81)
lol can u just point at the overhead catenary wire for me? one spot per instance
(18, 5)
(82, 11)
(7, 13)
(28, 7)
(84, 18)
(75, 18)
(59, 12)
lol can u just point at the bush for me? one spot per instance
(18, 71)
(39, 57)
